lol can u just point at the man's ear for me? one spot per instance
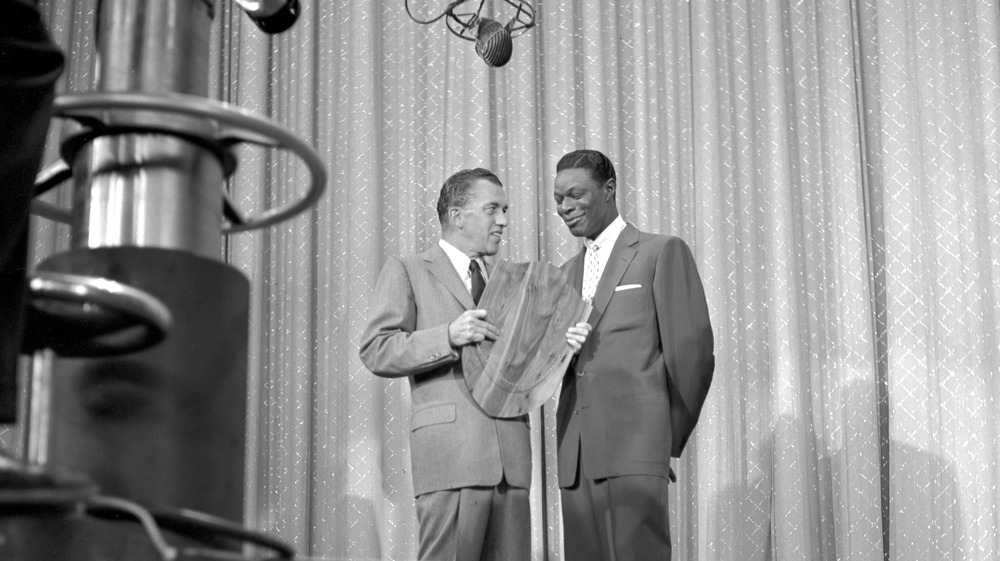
(609, 189)
(455, 217)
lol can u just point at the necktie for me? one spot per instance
(478, 282)
(591, 274)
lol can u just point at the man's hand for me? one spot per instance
(471, 327)
(577, 335)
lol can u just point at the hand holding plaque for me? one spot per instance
(533, 305)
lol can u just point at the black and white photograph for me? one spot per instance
(499, 280)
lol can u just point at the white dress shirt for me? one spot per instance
(604, 241)
(461, 261)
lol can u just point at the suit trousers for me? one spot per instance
(616, 519)
(475, 524)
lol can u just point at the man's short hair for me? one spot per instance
(599, 165)
(455, 191)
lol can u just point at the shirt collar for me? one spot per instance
(460, 260)
(609, 236)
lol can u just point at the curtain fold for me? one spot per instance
(835, 167)
(777, 154)
(931, 89)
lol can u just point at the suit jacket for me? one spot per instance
(633, 395)
(453, 443)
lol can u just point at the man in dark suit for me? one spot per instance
(471, 472)
(633, 395)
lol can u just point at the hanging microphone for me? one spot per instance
(271, 16)
(494, 41)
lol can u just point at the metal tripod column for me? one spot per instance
(164, 426)
(142, 326)
(145, 178)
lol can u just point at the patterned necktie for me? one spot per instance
(591, 274)
(478, 282)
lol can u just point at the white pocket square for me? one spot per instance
(627, 287)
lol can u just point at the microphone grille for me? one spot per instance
(494, 43)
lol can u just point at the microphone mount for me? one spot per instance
(271, 16)
(493, 39)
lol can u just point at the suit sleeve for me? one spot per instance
(685, 336)
(391, 344)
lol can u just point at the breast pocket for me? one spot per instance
(433, 414)
(628, 309)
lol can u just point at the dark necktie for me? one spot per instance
(478, 282)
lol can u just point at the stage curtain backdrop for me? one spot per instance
(835, 167)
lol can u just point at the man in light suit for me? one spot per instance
(471, 472)
(634, 392)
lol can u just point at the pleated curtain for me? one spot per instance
(834, 165)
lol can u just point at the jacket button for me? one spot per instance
(580, 374)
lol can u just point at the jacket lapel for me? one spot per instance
(575, 271)
(618, 262)
(441, 268)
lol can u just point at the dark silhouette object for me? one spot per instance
(30, 63)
